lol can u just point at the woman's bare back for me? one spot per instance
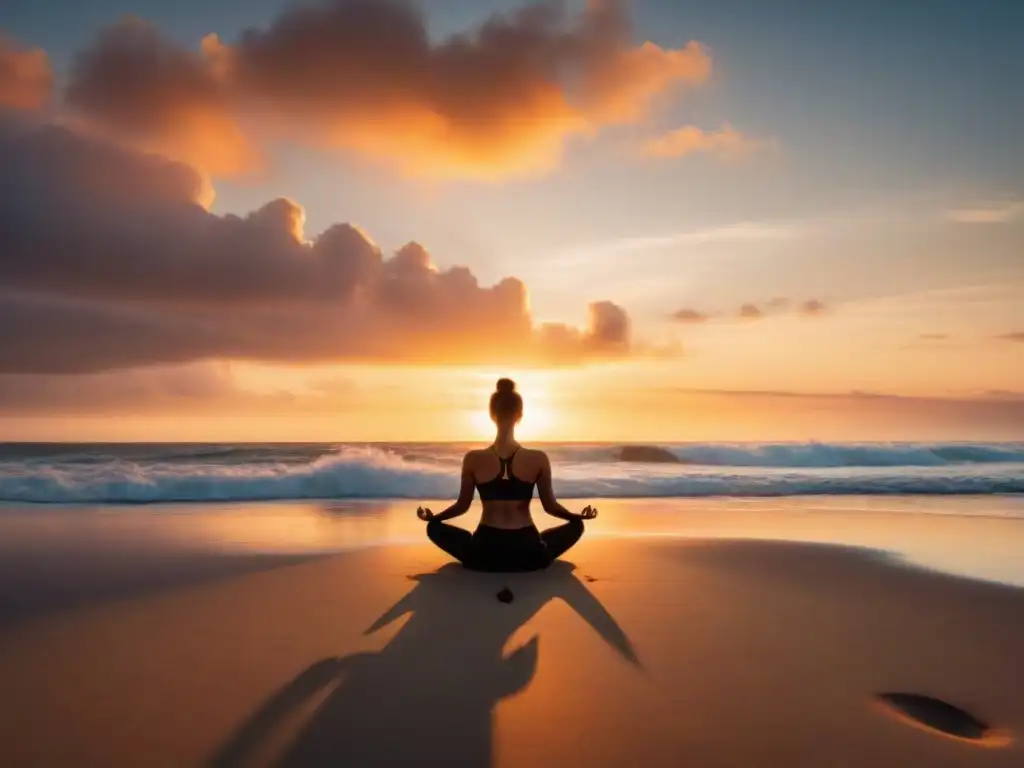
(528, 465)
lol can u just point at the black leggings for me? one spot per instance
(501, 549)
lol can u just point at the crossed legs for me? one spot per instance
(458, 542)
(560, 539)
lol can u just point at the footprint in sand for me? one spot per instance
(940, 717)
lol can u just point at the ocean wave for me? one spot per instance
(824, 455)
(811, 455)
(367, 472)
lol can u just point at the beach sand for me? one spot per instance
(659, 652)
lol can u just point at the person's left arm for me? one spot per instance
(463, 503)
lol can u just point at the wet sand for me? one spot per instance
(652, 652)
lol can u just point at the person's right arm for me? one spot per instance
(547, 493)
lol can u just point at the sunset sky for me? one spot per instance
(712, 219)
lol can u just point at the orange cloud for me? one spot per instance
(25, 76)
(727, 143)
(364, 76)
(109, 260)
(622, 88)
(134, 83)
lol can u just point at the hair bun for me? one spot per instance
(506, 386)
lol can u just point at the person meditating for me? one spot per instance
(505, 474)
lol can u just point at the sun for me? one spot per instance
(536, 424)
(539, 418)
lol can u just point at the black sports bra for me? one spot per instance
(506, 486)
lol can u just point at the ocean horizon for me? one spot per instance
(149, 473)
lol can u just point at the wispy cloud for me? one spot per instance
(731, 233)
(752, 311)
(806, 308)
(941, 300)
(989, 212)
(726, 143)
(687, 315)
(853, 394)
(932, 342)
(1017, 336)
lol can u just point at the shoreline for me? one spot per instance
(974, 536)
(739, 497)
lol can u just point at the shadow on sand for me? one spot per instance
(38, 582)
(428, 696)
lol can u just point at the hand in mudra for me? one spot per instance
(589, 513)
(423, 513)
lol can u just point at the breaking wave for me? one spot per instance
(153, 474)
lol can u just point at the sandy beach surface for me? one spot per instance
(713, 650)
